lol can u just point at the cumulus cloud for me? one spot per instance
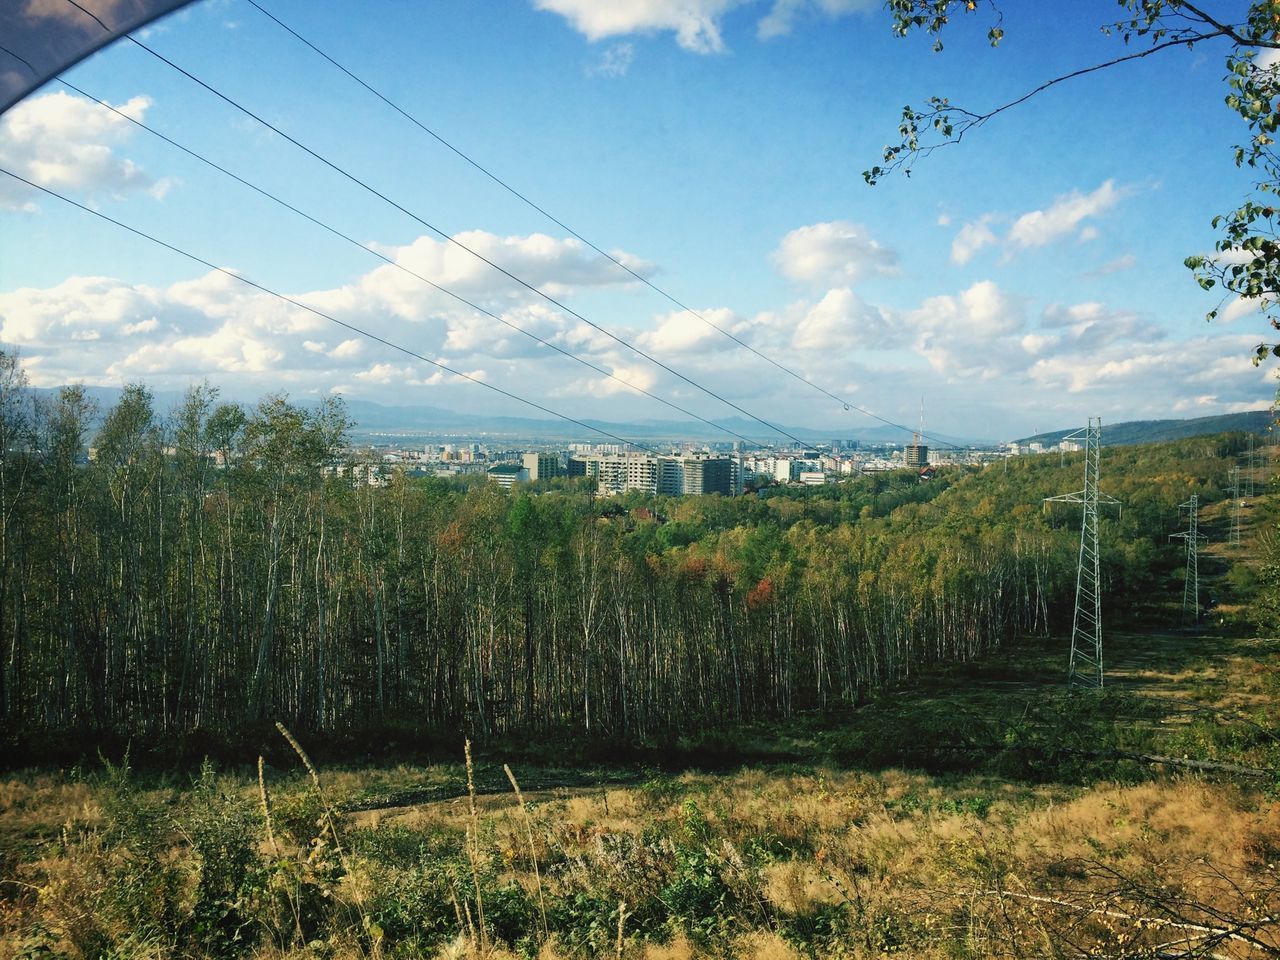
(695, 23)
(557, 267)
(101, 329)
(1062, 218)
(841, 321)
(982, 311)
(980, 346)
(626, 376)
(64, 143)
(1158, 375)
(782, 18)
(970, 334)
(682, 332)
(836, 253)
(972, 238)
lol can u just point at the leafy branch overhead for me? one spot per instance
(1246, 258)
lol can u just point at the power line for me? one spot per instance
(22, 60)
(443, 234)
(324, 316)
(662, 292)
(399, 266)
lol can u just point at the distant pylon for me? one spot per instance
(1192, 536)
(1235, 506)
(1085, 666)
(1248, 480)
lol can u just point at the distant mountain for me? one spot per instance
(377, 418)
(1155, 431)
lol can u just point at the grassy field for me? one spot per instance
(976, 811)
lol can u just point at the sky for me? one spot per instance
(1020, 281)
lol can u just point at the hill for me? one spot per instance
(1159, 431)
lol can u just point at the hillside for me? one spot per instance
(859, 742)
(1157, 431)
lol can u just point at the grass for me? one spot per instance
(977, 811)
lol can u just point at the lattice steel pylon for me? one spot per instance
(1235, 506)
(1084, 669)
(1248, 482)
(1192, 536)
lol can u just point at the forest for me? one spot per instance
(215, 568)
(803, 722)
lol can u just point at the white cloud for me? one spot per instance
(782, 17)
(1120, 264)
(972, 334)
(615, 61)
(386, 373)
(979, 346)
(557, 267)
(696, 23)
(981, 311)
(1143, 378)
(628, 376)
(837, 253)
(1243, 307)
(1040, 227)
(1037, 343)
(142, 326)
(972, 238)
(682, 332)
(103, 330)
(840, 321)
(66, 143)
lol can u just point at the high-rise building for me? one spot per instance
(916, 453)
(709, 475)
(541, 465)
(671, 476)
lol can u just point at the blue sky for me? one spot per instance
(1024, 279)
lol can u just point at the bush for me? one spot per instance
(223, 831)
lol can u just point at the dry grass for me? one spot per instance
(901, 846)
(809, 858)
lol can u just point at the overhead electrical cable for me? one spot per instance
(401, 267)
(661, 291)
(22, 60)
(325, 316)
(533, 288)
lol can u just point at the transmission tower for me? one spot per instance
(1085, 666)
(1248, 480)
(1192, 536)
(1235, 506)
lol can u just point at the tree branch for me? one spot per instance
(1227, 30)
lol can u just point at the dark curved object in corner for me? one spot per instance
(41, 38)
